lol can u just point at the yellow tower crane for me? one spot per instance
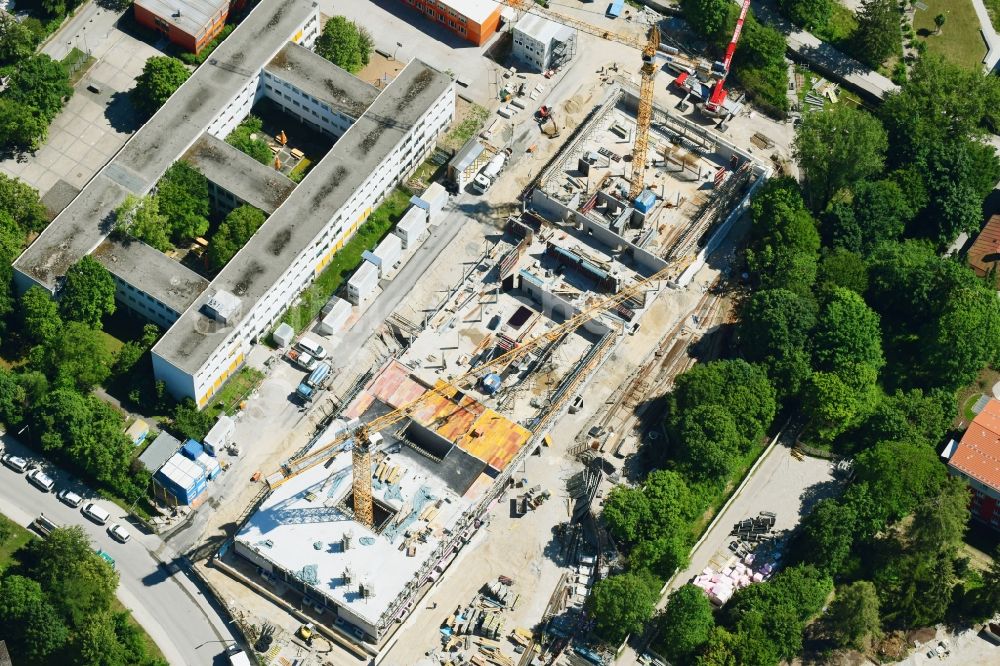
(649, 49)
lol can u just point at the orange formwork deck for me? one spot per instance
(469, 424)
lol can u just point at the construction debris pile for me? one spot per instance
(757, 556)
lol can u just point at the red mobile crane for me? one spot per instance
(715, 106)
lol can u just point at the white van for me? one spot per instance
(95, 513)
(309, 347)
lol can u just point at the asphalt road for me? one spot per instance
(160, 595)
(87, 30)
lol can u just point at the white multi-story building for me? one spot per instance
(381, 136)
(541, 44)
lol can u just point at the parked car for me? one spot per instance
(119, 533)
(95, 513)
(307, 346)
(41, 480)
(14, 462)
(69, 497)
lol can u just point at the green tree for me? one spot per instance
(718, 650)
(28, 622)
(663, 555)
(190, 423)
(160, 77)
(853, 619)
(759, 66)
(784, 241)
(12, 399)
(878, 213)
(837, 148)
(75, 579)
(627, 513)
(246, 138)
(21, 202)
(345, 44)
(21, 127)
(940, 521)
(908, 416)
(77, 355)
(686, 624)
(809, 14)
(182, 194)
(622, 604)
(735, 385)
(897, 477)
(88, 294)
(827, 536)
(140, 217)
(39, 316)
(842, 268)
(847, 333)
(831, 405)
(878, 35)
(41, 83)
(939, 23)
(709, 441)
(773, 331)
(709, 18)
(16, 41)
(234, 232)
(955, 189)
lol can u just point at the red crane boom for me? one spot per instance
(718, 95)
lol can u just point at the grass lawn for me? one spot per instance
(111, 343)
(236, 389)
(465, 129)
(77, 63)
(152, 649)
(959, 41)
(347, 259)
(967, 396)
(12, 538)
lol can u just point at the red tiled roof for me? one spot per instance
(986, 248)
(978, 454)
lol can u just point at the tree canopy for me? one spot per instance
(622, 604)
(246, 138)
(240, 224)
(140, 218)
(161, 76)
(686, 624)
(809, 14)
(345, 43)
(182, 194)
(854, 618)
(88, 294)
(837, 148)
(878, 35)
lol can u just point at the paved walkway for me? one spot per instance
(989, 36)
(825, 58)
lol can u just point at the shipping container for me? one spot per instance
(335, 316)
(389, 251)
(220, 435)
(210, 465)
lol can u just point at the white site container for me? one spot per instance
(335, 317)
(220, 435)
(363, 283)
(412, 226)
(389, 252)
(432, 200)
(283, 335)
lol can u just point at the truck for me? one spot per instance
(490, 172)
(311, 385)
(301, 359)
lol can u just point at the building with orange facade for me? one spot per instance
(190, 24)
(976, 458)
(474, 20)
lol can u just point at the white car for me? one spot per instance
(41, 480)
(95, 513)
(14, 462)
(119, 533)
(69, 497)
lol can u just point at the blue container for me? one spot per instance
(615, 8)
(192, 449)
(645, 201)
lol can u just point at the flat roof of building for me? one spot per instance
(151, 271)
(159, 451)
(88, 219)
(477, 10)
(193, 17)
(304, 214)
(540, 28)
(306, 511)
(243, 176)
(313, 74)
